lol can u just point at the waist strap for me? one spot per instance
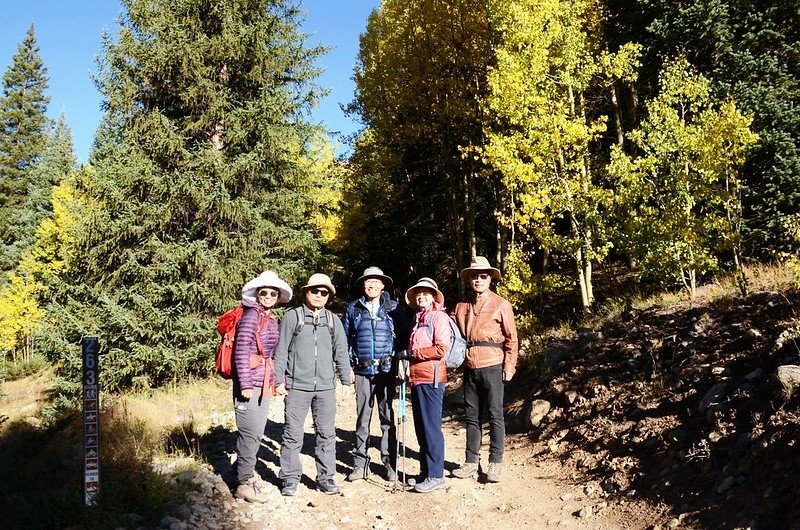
(472, 343)
(386, 361)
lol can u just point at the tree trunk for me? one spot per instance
(617, 115)
(582, 280)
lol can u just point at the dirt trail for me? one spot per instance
(534, 492)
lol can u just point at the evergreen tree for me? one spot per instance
(200, 184)
(56, 163)
(24, 131)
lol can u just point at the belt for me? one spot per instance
(473, 343)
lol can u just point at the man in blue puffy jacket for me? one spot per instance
(369, 325)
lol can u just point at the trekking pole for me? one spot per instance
(397, 443)
(401, 413)
(404, 367)
(403, 394)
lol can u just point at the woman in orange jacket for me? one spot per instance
(430, 339)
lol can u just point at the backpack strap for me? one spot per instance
(301, 322)
(259, 347)
(329, 320)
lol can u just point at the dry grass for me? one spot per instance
(776, 277)
(23, 399)
(194, 403)
(39, 457)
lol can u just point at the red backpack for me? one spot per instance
(226, 325)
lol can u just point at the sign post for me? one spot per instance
(91, 419)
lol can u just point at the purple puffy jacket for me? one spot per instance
(245, 345)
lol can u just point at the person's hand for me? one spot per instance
(280, 390)
(507, 376)
(247, 394)
(402, 370)
(352, 378)
(343, 391)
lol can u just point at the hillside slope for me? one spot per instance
(680, 406)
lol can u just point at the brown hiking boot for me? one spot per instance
(467, 470)
(494, 471)
(251, 491)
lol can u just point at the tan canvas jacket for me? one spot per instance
(490, 320)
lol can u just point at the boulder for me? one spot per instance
(539, 409)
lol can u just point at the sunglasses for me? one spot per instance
(268, 293)
(321, 292)
(480, 276)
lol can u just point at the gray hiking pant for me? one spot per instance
(371, 390)
(251, 419)
(323, 411)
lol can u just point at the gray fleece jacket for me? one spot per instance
(310, 358)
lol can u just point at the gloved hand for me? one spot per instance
(403, 355)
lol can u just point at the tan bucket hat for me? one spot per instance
(480, 264)
(319, 280)
(375, 272)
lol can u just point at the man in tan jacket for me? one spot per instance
(487, 322)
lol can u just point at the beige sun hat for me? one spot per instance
(267, 279)
(375, 272)
(319, 280)
(428, 284)
(480, 264)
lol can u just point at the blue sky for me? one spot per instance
(69, 40)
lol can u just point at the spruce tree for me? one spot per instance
(200, 180)
(24, 131)
(56, 162)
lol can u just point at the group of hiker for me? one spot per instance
(376, 344)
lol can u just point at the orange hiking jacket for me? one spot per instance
(489, 320)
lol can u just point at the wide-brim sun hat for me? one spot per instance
(267, 279)
(427, 283)
(480, 264)
(319, 280)
(375, 272)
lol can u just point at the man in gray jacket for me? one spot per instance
(311, 349)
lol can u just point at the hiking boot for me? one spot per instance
(467, 470)
(250, 491)
(493, 473)
(359, 473)
(429, 484)
(328, 487)
(289, 488)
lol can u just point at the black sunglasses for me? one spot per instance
(321, 292)
(269, 293)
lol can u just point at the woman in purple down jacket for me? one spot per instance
(253, 374)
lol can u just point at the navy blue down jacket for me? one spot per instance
(371, 341)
